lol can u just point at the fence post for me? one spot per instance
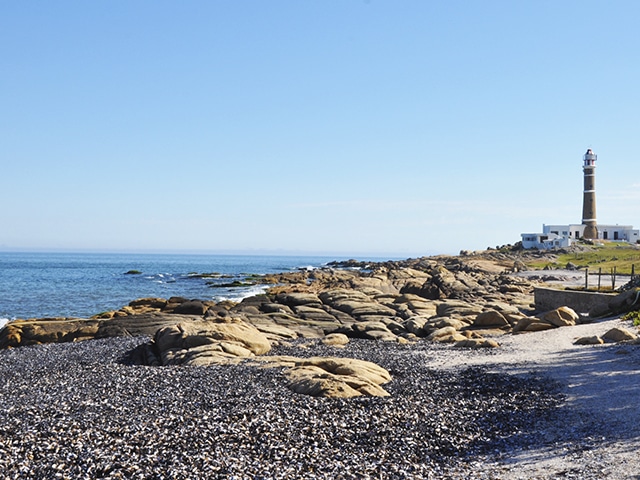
(599, 277)
(613, 278)
(586, 278)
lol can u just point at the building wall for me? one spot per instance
(560, 236)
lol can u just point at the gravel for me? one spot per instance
(82, 410)
(537, 407)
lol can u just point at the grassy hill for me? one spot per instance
(606, 256)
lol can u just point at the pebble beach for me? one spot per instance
(83, 410)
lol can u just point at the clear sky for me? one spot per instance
(380, 127)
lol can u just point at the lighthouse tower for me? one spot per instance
(589, 199)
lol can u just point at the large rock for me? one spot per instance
(491, 318)
(532, 324)
(313, 313)
(335, 340)
(619, 334)
(36, 331)
(477, 343)
(448, 285)
(295, 299)
(207, 342)
(625, 301)
(561, 317)
(33, 332)
(591, 340)
(441, 322)
(442, 332)
(452, 338)
(357, 308)
(457, 308)
(337, 377)
(416, 325)
(192, 307)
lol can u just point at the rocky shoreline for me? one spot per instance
(183, 388)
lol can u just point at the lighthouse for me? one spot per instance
(589, 198)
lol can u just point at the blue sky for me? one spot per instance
(396, 128)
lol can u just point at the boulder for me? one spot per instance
(625, 301)
(561, 317)
(193, 307)
(219, 341)
(336, 339)
(337, 377)
(416, 325)
(313, 313)
(152, 302)
(448, 285)
(441, 322)
(491, 318)
(295, 299)
(331, 297)
(394, 325)
(532, 324)
(619, 334)
(275, 332)
(453, 338)
(477, 343)
(442, 332)
(380, 335)
(358, 308)
(592, 340)
(457, 308)
(27, 332)
(275, 308)
(362, 327)
(503, 308)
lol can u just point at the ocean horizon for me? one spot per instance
(41, 284)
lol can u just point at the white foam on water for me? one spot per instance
(240, 294)
(308, 268)
(3, 322)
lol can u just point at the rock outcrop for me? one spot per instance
(462, 300)
(231, 340)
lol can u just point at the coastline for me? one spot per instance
(533, 404)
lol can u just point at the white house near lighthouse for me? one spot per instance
(559, 236)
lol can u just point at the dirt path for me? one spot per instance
(602, 410)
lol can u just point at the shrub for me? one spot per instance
(633, 315)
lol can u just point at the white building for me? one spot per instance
(560, 236)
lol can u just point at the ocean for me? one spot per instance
(38, 285)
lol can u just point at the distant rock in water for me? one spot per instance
(133, 272)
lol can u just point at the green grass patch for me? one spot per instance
(620, 256)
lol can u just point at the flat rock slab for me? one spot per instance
(36, 331)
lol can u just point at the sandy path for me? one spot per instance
(599, 433)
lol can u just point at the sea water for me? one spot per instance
(37, 285)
